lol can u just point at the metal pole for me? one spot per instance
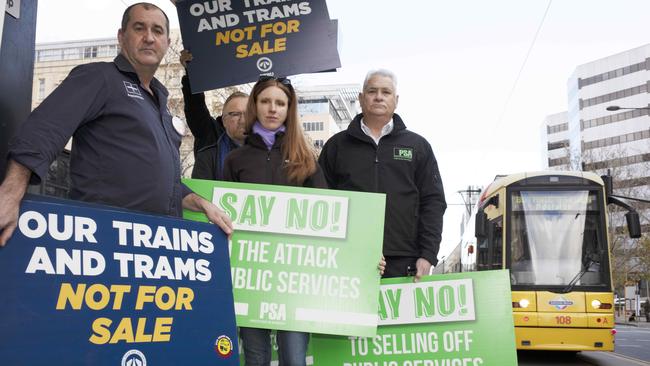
(625, 295)
(637, 303)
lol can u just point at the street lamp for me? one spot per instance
(636, 309)
(613, 108)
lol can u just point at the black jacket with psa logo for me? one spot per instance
(404, 168)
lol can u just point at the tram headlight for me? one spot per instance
(595, 304)
(523, 303)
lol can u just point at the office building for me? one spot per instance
(608, 132)
(607, 125)
(555, 142)
(327, 109)
(606, 139)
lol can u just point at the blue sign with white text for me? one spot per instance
(84, 284)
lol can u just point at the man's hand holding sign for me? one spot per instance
(97, 283)
(302, 259)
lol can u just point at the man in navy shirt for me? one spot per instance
(125, 147)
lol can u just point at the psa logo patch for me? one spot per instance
(223, 346)
(560, 303)
(403, 153)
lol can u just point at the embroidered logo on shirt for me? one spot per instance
(403, 153)
(132, 90)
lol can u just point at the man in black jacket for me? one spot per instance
(214, 138)
(209, 159)
(378, 154)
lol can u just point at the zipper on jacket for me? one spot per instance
(269, 167)
(377, 169)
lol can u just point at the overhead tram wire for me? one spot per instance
(484, 158)
(523, 65)
(491, 132)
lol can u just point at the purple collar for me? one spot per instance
(268, 136)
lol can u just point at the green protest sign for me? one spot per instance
(461, 319)
(302, 259)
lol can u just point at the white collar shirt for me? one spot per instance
(388, 128)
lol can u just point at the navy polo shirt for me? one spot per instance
(125, 150)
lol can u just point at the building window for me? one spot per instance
(613, 96)
(313, 126)
(617, 162)
(634, 136)
(71, 53)
(613, 118)
(557, 128)
(49, 55)
(612, 74)
(41, 89)
(313, 106)
(558, 145)
(90, 52)
(558, 161)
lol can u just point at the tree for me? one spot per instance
(630, 258)
(170, 73)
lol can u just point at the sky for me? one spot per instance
(456, 63)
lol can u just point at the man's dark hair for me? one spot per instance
(148, 6)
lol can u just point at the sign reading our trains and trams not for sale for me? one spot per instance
(86, 284)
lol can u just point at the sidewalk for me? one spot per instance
(641, 323)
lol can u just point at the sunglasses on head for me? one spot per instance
(281, 80)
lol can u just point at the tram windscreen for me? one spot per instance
(556, 239)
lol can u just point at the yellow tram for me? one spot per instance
(550, 230)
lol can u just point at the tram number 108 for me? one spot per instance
(563, 320)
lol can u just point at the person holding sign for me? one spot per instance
(210, 159)
(125, 150)
(209, 132)
(378, 154)
(205, 129)
(275, 152)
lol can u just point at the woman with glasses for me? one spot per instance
(275, 152)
